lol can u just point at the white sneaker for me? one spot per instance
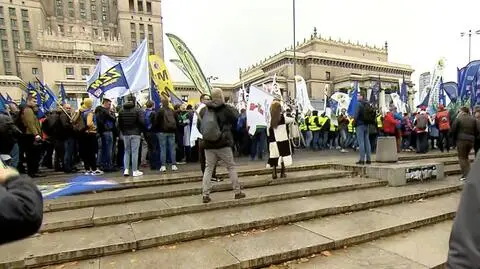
(97, 172)
(174, 168)
(126, 173)
(137, 173)
(163, 169)
(344, 151)
(88, 173)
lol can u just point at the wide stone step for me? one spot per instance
(135, 211)
(452, 169)
(421, 248)
(100, 241)
(258, 248)
(173, 190)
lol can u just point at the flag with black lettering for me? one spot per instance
(113, 78)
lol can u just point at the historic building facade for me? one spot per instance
(326, 62)
(59, 41)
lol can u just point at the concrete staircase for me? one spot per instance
(161, 222)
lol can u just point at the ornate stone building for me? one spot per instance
(59, 41)
(323, 61)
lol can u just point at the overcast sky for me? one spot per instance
(225, 35)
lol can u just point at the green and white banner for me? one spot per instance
(190, 64)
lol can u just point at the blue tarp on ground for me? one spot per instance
(76, 185)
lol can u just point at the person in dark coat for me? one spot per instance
(21, 206)
(464, 244)
(131, 123)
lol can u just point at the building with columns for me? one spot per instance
(59, 41)
(334, 64)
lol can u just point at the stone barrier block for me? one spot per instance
(386, 149)
(401, 173)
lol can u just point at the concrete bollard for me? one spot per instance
(386, 149)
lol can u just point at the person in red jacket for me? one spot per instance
(389, 124)
(442, 119)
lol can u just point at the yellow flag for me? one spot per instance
(161, 77)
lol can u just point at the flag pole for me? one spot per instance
(294, 52)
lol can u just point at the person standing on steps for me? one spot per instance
(131, 123)
(215, 123)
(364, 115)
(464, 130)
(166, 124)
(278, 140)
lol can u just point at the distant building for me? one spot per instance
(59, 41)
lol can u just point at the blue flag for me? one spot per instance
(451, 90)
(9, 99)
(33, 93)
(174, 99)
(62, 94)
(441, 94)
(354, 100)
(374, 95)
(154, 95)
(3, 104)
(111, 79)
(403, 92)
(333, 105)
(460, 79)
(425, 101)
(467, 79)
(475, 99)
(49, 100)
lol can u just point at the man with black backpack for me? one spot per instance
(364, 115)
(215, 123)
(166, 125)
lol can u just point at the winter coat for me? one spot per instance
(465, 128)
(9, 134)
(21, 208)
(389, 124)
(105, 120)
(227, 120)
(130, 120)
(159, 125)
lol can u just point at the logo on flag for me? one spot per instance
(114, 77)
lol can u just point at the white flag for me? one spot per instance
(258, 109)
(302, 99)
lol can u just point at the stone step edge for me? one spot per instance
(141, 244)
(217, 187)
(279, 258)
(147, 215)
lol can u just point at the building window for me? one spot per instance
(24, 13)
(3, 32)
(8, 66)
(140, 5)
(149, 7)
(70, 29)
(16, 45)
(71, 13)
(132, 27)
(131, 5)
(133, 35)
(1, 10)
(28, 45)
(60, 28)
(94, 16)
(104, 8)
(327, 75)
(25, 24)
(12, 12)
(106, 34)
(94, 7)
(151, 48)
(27, 36)
(2, 21)
(69, 71)
(15, 34)
(34, 71)
(70, 3)
(95, 31)
(85, 71)
(82, 5)
(83, 14)
(6, 54)
(134, 45)
(4, 44)
(13, 23)
(104, 17)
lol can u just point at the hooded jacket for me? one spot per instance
(21, 207)
(227, 118)
(465, 128)
(130, 120)
(105, 120)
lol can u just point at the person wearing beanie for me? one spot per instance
(215, 123)
(88, 144)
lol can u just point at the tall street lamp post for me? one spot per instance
(294, 52)
(470, 32)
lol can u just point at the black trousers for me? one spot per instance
(59, 154)
(444, 135)
(88, 149)
(33, 152)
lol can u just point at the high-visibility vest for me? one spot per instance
(322, 121)
(351, 128)
(379, 122)
(304, 125)
(333, 127)
(313, 126)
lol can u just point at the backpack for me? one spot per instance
(422, 122)
(78, 123)
(443, 121)
(368, 114)
(209, 128)
(169, 122)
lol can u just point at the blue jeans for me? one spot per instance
(259, 141)
(316, 138)
(167, 143)
(342, 140)
(364, 142)
(69, 145)
(107, 148)
(14, 155)
(307, 135)
(132, 146)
